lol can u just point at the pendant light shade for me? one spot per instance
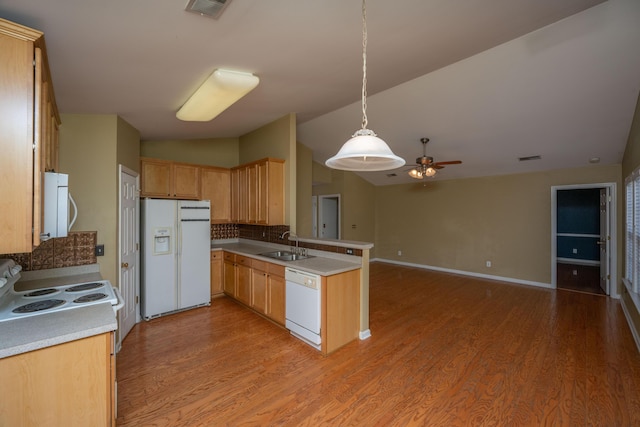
(365, 151)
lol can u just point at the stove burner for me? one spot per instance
(84, 287)
(41, 292)
(90, 298)
(38, 306)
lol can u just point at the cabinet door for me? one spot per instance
(276, 298)
(243, 199)
(215, 185)
(243, 293)
(235, 195)
(230, 278)
(186, 181)
(16, 143)
(217, 282)
(259, 290)
(252, 193)
(263, 192)
(155, 178)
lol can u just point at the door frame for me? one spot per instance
(613, 227)
(314, 216)
(124, 170)
(339, 210)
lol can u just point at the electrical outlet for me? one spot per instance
(488, 264)
(575, 272)
(99, 250)
(349, 251)
(575, 251)
(399, 253)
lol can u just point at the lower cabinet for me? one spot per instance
(217, 281)
(243, 279)
(340, 310)
(229, 274)
(70, 384)
(268, 290)
(257, 284)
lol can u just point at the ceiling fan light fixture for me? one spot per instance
(222, 89)
(365, 152)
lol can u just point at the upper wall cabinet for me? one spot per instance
(257, 192)
(165, 179)
(29, 122)
(215, 185)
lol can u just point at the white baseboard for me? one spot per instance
(365, 334)
(634, 331)
(467, 273)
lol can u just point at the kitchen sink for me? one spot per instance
(285, 255)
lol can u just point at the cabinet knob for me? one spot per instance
(125, 265)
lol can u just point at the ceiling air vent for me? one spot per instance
(210, 8)
(524, 159)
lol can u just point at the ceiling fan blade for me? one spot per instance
(437, 166)
(452, 162)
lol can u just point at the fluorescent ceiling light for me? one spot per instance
(221, 90)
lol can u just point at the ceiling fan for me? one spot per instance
(426, 166)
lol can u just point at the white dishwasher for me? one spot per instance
(303, 300)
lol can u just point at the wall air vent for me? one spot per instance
(210, 8)
(525, 159)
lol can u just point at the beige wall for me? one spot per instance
(222, 152)
(630, 162)
(357, 199)
(90, 148)
(461, 224)
(304, 226)
(276, 139)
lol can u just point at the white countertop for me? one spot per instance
(322, 263)
(45, 330)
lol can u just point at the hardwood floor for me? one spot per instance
(445, 350)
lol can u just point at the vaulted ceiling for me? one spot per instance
(487, 81)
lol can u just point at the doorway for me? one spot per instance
(583, 256)
(128, 253)
(329, 217)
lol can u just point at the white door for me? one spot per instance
(604, 240)
(329, 221)
(129, 280)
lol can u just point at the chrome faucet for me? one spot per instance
(284, 234)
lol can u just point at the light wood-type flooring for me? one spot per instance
(445, 350)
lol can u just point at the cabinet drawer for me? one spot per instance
(216, 255)
(275, 269)
(259, 265)
(243, 260)
(229, 256)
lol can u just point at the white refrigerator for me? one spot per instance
(176, 261)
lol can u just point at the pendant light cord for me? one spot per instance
(364, 66)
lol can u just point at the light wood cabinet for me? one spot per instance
(276, 293)
(217, 281)
(237, 277)
(70, 384)
(340, 322)
(257, 192)
(256, 283)
(29, 136)
(169, 180)
(229, 276)
(243, 285)
(215, 185)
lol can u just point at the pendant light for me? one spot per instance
(365, 151)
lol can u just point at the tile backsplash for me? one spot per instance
(78, 248)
